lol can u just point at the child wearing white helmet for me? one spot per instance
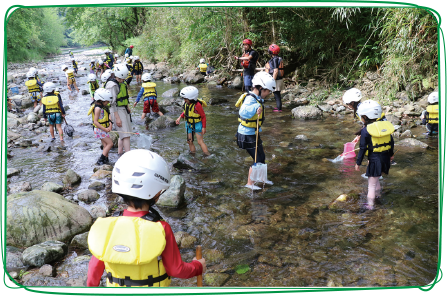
(34, 87)
(195, 120)
(101, 67)
(430, 116)
(140, 177)
(93, 84)
(92, 66)
(149, 94)
(70, 75)
(251, 112)
(53, 109)
(202, 67)
(75, 66)
(378, 144)
(131, 71)
(70, 53)
(105, 77)
(116, 59)
(101, 122)
(138, 69)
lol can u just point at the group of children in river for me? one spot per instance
(375, 138)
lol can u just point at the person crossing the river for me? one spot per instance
(92, 66)
(70, 53)
(137, 247)
(75, 66)
(34, 87)
(149, 94)
(138, 69)
(71, 81)
(430, 116)
(53, 109)
(93, 84)
(131, 71)
(378, 144)
(116, 59)
(120, 112)
(202, 67)
(275, 68)
(105, 76)
(195, 120)
(109, 60)
(101, 67)
(251, 110)
(249, 62)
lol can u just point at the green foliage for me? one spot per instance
(32, 33)
(241, 269)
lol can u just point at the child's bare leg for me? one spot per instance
(52, 131)
(190, 143)
(127, 144)
(107, 145)
(143, 116)
(372, 185)
(76, 87)
(160, 113)
(202, 143)
(120, 146)
(59, 127)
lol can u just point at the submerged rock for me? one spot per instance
(412, 142)
(216, 279)
(71, 178)
(306, 112)
(237, 83)
(188, 161)
(44, 253)
(162, 122)
(174, 196)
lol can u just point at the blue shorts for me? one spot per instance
(54, 118)
(35, 96)
(248, 80)
(197, 127)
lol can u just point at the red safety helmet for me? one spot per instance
(247, 41)
(274, 49)
(131, 46)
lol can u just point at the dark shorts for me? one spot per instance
(138, 72)
(150, 103)
(248, 142)
(378, 163)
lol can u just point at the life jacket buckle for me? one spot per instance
(121, 282)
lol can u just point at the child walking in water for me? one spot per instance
(377, 142)
(149, 94)
(101, 123)
(430, 116)
(195, 120)
(53, 109)
(71, 81)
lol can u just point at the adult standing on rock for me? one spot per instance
(249, 62)
(120, 113)
(275, 68)
(129, 51)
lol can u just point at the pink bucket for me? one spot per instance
(349, 147)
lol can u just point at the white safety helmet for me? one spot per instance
(33, 71)
(121, 71)
(118, 61)
(126, 55)
(352, 95)
(190, 93)
(128, 60)
(63, 67)
(106, 51)
(105, 76)
(265, 80)
(146, 77)
(92, 61)
(202, 60)
(116, 55)
(433, 97)
(370, 109)
(49, 87)
(92, 77)
(102, 94)
(30, 74)
(141, 174)
(73, 60)
(100, 62)
(136, 58)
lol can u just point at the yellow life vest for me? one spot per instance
(122, 97)
(51, 103)
(432, 115)
(138, 66)
(104, 121)
(32, 86)
(129, 248)
(93, 85)
(252, 122)
(149, 89)
(203, 67)
(191, 116)
(381, 135)
(75, 65)
(92, 66)
(71, 75)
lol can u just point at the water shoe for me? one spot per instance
(253, 187)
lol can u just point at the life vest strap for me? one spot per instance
(128, 282)
(380, 145)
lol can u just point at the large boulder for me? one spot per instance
(237, 83)
(194, 77)
(171, 101)
(394, 120)
(12, 123)
(36, 216)
(44, 253)
(71, 178)
(412, 142)
(174, 196)
(174, 92)
(306, 112)
(162, 122)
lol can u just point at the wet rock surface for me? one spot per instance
(44, 253)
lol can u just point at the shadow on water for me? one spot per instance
(286, 233)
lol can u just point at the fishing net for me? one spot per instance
(144, 141)
(68, 130)
(259, 173)
(337, 159)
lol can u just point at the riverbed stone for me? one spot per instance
(43, 281)
(114, 137)
(24, 143)
(216, 101)
(12, 123)
(412, 142)
(74, 271)
(71, 178)
(171, 101)
(187, 161)
(80, 241)
(88, 196)
(174, 196)
(193, 77)
(213, 256)
(101, 174)
(103, 167)
(52, 187)
(393, 119)
(301, 137)
(271, 259)
(97, 211)
(325, 107)
(306, 112)
(19, 187)
(216, 279)
(36, 216)
(187, 241)
(14, 260)
(44, 253)
(12, 171)
(32, 117)
(162, 122)
(174, 92)
(406, 134)
(97, 186)
(47, 270)
(237, 83)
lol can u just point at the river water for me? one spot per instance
(286, 233)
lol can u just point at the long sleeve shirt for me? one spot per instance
(199, 110)
(61, 105)
(247, 110)
(365, 143)
(171, 258)
(140, 94)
